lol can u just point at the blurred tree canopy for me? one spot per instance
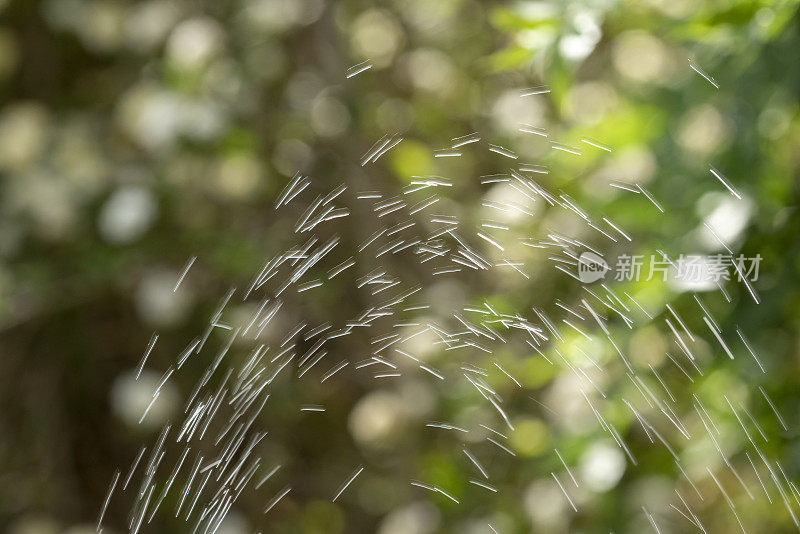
(135, 135)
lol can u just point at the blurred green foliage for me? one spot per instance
(134, 135)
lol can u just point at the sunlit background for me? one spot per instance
(135, 135)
